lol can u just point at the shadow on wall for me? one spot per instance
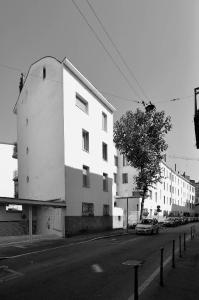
(88, 200)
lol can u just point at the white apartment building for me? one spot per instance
(174, 195)
(65, 147)
(8, 166)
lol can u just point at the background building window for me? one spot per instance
(115, 177)
(85, 140)
(81, 103)
(105, 182)
(125, 162)
(87, 209)
(106, 210)
(104, 121)
(86, 179)
(116, 160)
(124, 178)
(104, 151)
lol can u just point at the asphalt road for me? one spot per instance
(83, 270)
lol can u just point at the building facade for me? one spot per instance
(65, 147)
(174, 195)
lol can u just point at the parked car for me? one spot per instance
(147, 226)
(169, 222)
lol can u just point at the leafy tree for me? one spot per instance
(140, 136)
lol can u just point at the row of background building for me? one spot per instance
(70, 177)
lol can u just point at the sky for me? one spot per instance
(157, 57)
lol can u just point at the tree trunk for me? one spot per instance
(142, 203)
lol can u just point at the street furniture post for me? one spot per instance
(136, 282)
(180, 246)
(161, 266)
(184, 241)
(173, 254)
(127, 213)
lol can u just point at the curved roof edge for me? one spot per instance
(35, 62)
(88, 84)
(65, 62)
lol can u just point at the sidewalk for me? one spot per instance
(7, 240)
(180, 283)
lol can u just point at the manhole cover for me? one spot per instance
(133, 262)
(8, 274)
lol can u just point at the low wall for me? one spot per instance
(79, 224)
(14, 228)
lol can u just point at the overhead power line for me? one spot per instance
(154, 102)
(107, 52)
(183, 157)
(116, 49)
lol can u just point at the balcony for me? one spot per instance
(14, 155)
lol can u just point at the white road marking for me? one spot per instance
(8, 274)
(96, 268)
(59, 247)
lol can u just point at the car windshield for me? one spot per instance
(146, 221)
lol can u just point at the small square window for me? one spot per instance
(85, 140)
(104, 151)
(81, 103)
(104, 121)
(124, 178)
(105, 182)
(87, 209)
(86, 176)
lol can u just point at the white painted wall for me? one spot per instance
(41, 102)
(7, 167)
(50, 220)
(74, 121)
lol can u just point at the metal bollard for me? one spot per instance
(184, 241)
(180, 248)
(136, 282)
(173, 254)
(161, 267)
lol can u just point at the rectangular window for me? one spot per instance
(124, 178)
(104, 151)
(86, 179)
(104, 121)
(87, 209)
(116, 160)
(115, 177)
(105, 182)
(81, 103)
(106, 210)
(85, 140)
(125, 162)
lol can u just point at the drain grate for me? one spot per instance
(8, 274)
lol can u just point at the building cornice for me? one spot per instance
(68, 65)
